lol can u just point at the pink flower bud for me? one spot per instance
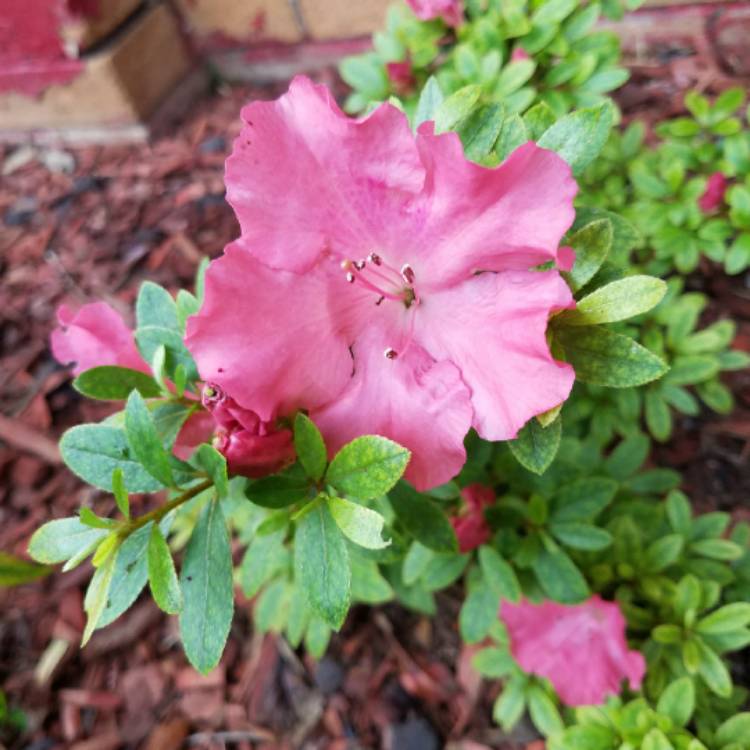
(470, 525)
(713, 195)
(519, 53)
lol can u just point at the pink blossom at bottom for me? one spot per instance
(451, 11)
(581, 649)
(94, 336)
(252, 448)
(472, 530)
(713, 196)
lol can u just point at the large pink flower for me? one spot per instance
(94, 336)
(451, 11)
(580, 649)
(470, 525)
(382, 281)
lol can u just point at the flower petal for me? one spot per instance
(267, 337)
(475, 218)
(304, 178)
(492, 327)
(94, 336)
(581, 649)
(421, 404)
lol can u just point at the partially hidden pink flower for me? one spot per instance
(451, 11)
(382, 281)
(470, 525)
(252, 448)
(94, 336)
(401, 76)
(519, 53)
(713, 195)
(580, 649)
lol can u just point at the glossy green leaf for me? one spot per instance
(535, 447)
(362, 525)
(144, 441)
(559, 577)
(215, 465)
(162, 577)
(111, 383)
(591, 243)
(311, 450)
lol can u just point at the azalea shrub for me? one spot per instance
(435, 357)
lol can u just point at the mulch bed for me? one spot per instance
(83, 224)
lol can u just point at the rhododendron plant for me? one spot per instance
(398, 277)
(580, 649)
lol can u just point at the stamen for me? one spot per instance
(407, 273)
(359, 264)
(380, 299)
(374, 258)
(390, 353)
(350, 277)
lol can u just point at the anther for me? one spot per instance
(407, 273)
(374, 258)
(380, 299)
(359, 264)
(390, 353)
(350, 277)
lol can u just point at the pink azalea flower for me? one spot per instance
(451, 11)
(94, 336)
(252, 448)
(355, 289)
(470, 526)
(713, 196)
(580, 649)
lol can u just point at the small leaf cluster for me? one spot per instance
(567, 62)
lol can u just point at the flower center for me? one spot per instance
(386, 281)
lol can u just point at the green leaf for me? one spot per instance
(717, 549)
(110, 383)
(478, 614)
(215, 465)
(150, 338)
(601, 357)
(144, 441)
(512, 135)
(592, 243)
(493, 662)
(543, 712)
(58, 541)
(538, 119)
(94, 451)
(729, 617)
(583, 499)
(165, 588)
(581, 536)
(559, 577)
(656, 740)
(121, 494)
(579, 137)
(207, 590)
(442, 570)
(311, 450)
(96, 595)
(265, 557)
(321, 563)
(499, 574)
(367, 74)
(513, 76)
(456, 108)
(618, 300)
(657, 414)
(279, 490)
(14, 571)
(664, 552)
(415, 563)
(590, 737)
(362, 525)
(678, 701)
(317, 637)
(430, 99)
(679, 512)
(368, 584)
(713, 671)
(535, 447)
(735, 729)
(423, 519)
(155, 307)
(90, 518)
(510, 705)
(553, 11)
(367, 467)
(628, 456)
(272, 608)
(480, 131)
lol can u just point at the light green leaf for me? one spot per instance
(311, 450)
(559, 577)
(456, 108)
(215, 465)
(362, 525)
(543, 712)
(618, 300)
(430, 99)
(581, 535)
(478, 614)
(144, 441)
(58, 541)
(726, 619)
(678, 701)
(368, 467)
(591, 243)
(165, 588)
(535, 447)
(96, 595)
(499, 574)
